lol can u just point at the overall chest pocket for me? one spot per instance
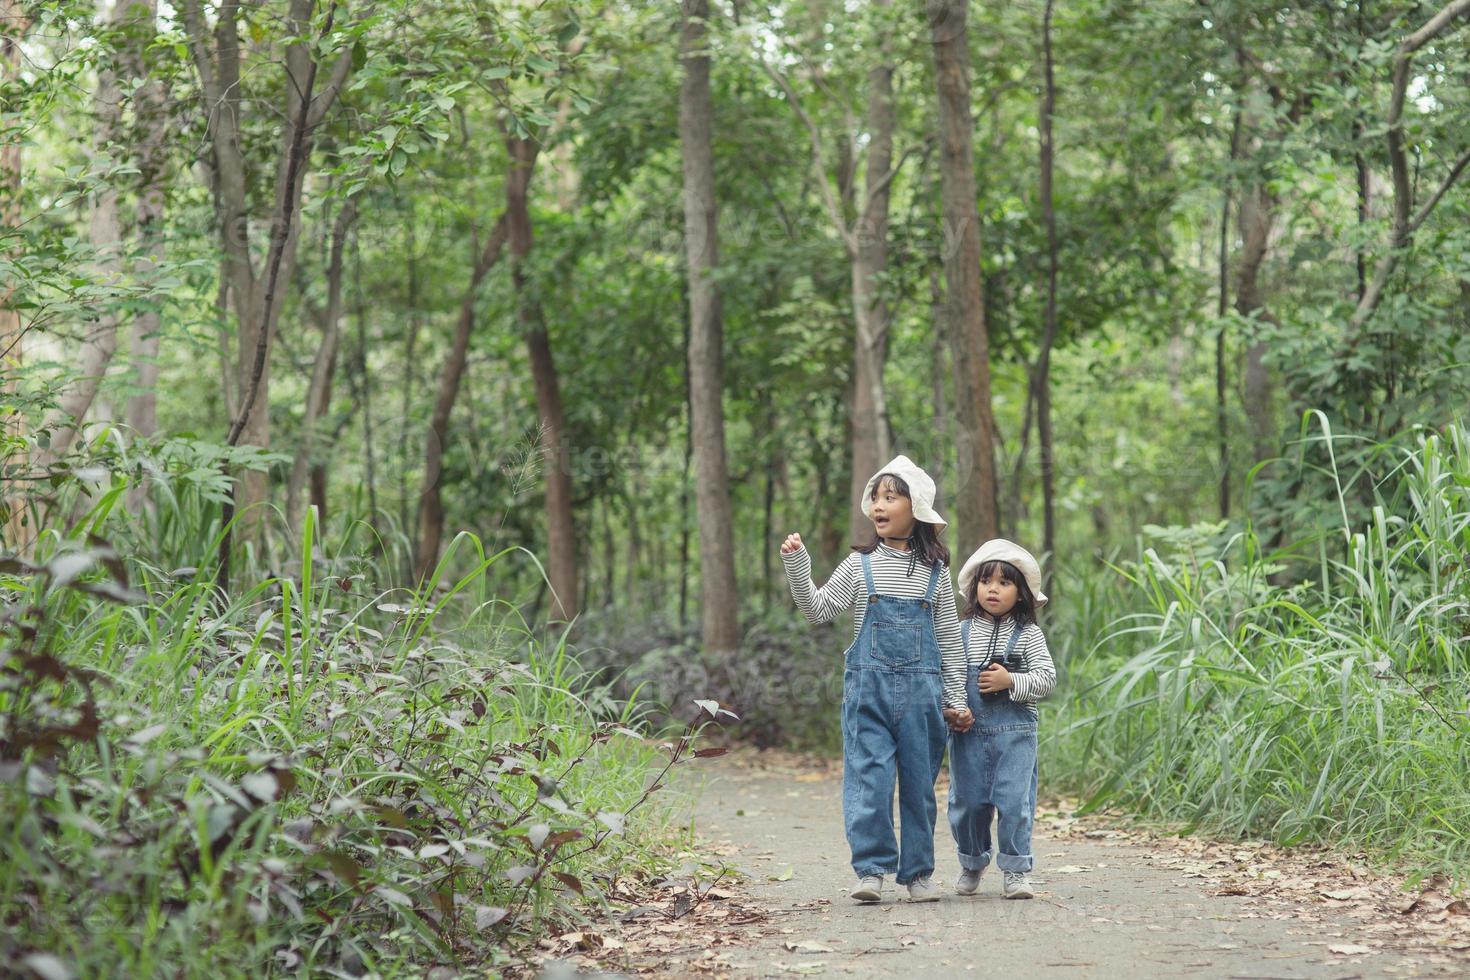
(898, 644)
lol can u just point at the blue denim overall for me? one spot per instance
(993, 767)
(892, 727)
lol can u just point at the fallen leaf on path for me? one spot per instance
(783, 876)
(816, 966)
(807, 946)
(1069, 869)
(1349, 949)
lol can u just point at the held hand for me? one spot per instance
(959, 719)
(791, 545)
(994, 679)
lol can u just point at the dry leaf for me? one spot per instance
(1349, 949)
(1348, 894)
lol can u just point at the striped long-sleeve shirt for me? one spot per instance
(987, 636)
(846, 590)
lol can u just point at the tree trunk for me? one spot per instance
(13, 27)
(431, 504)
(938, 372)
(318, 392)
(1257, 215)
(1049, 330)
(218, 65)
(561, 533)
(151, 130)
(364, 380)
(975, 440)
(869, 260)
(706, 337)
(105, 233)
(1222, 429)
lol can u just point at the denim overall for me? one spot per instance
(892, 727)
(993, 767)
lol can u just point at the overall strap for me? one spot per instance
(868, 573)
(1015, 636)
(933, 582)
(965, 636)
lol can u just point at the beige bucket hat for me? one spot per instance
(921, 491)
(999, 549)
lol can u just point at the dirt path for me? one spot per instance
(1108, 906)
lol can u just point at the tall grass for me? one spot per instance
(1331, 708)
(308, 778)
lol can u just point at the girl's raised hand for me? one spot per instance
(791, 545)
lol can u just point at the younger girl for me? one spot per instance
(992, 754)
(905, 634)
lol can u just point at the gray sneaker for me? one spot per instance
(969, 881)
(869, 889)
(923, 890)
(1017, 885)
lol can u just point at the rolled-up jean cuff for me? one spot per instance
(975, 862)
(874, 872)
(1014, 862)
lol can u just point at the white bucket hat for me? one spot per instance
(999, 549)
(921, 491)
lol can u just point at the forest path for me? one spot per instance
(1110, 903)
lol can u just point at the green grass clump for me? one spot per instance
(1201, 689)
(302, 779)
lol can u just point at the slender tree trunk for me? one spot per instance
(869, 260)
(431, 503)
(406, 391)
(1257, 215)
(1222, 429)
(938, 372)
(105, 233)
(1049, 331)
(634, 575)
(13, 26)
(365, 379)
(561, 534)
(318, 392)
(218, 61)
(721, 629)
(150, 112)
(684, 515)
(976, 506)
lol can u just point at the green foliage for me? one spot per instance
(307, 775)
(1200, 690)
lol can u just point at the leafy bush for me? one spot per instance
(1332, 708)
(302, 779)
(785, 683)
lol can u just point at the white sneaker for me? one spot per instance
(923, 890)
(969, 881)
(869, 889)
(1017, 885)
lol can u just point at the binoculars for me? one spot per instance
(1013, 663)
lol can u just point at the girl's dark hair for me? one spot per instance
(1025, 608)
(924, 542)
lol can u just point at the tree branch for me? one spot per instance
(1405, 221)
(819, 160)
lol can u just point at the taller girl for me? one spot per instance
(905, 664)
